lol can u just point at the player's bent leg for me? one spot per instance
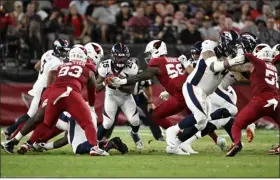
(109, 113)
(10, 130)
(197, 102)
(246, 116)
(168, 108)
(129, 108)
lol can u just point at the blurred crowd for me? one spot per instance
(31, 26)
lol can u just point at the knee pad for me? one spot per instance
(220, 122)
(107, 122)
(134, 121)
(233, 110)
(201, 124)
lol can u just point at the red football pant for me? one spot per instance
(168, 108)
(75, 105)
(47, 135)
(251, 113)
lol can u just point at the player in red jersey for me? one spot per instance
(170, 74)
(263, 81)
(276, 63)
(65, 95)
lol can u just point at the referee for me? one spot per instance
(143, 97)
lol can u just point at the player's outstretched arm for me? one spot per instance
(56, 144)
(147, 74)
(247, 67)
(127, 88)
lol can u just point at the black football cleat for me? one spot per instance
(8, 148)
(234, 150)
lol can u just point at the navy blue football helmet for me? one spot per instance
(227, 42)
(248, 42)
(61, 48)
(120, 55)
(196, 50)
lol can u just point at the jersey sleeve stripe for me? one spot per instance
(199, 73)
(223, 95)
(194, 98)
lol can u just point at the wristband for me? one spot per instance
(103, 83)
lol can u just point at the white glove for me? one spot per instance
(240, 59)
(116, 81)
(183, 60)
(164, 95)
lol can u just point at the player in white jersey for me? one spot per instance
(202, 82)
(49, 62)
(116, 97)
(76, 138)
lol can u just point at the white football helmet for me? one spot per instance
(276, 50)
(155, 48)
(94, 52)
(263, 52)
(77, 45)
(78, 54)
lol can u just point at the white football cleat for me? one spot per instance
(171, 136)
(222, 143)
(185, 146)
(139, 146)
(176, 150)
(96, 151)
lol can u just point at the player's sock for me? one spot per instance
(84, 148)
(90, 132)
(17, 134)
(187, 133)
(193, 138)
(228, 127)
(19, 120)
(101, 132)
(187, 122)
(135, 129)
(209, 129)
(39, 132)
(52, 133)
(220, 113)
(236, 133)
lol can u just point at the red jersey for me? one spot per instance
(263, 79)
(171, 74)
(276, 59)
(74, 74)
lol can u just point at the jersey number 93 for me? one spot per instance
(74, 71)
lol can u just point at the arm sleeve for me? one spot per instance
(255, 61)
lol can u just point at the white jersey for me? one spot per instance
(49, 62)
(204, 78)
(105, 68)
(228, 80)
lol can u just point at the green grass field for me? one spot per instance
(253, 161)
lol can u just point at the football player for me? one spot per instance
(47, 66)
(202, 82)
(118, 96)
(75, 136)
(263, 81)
